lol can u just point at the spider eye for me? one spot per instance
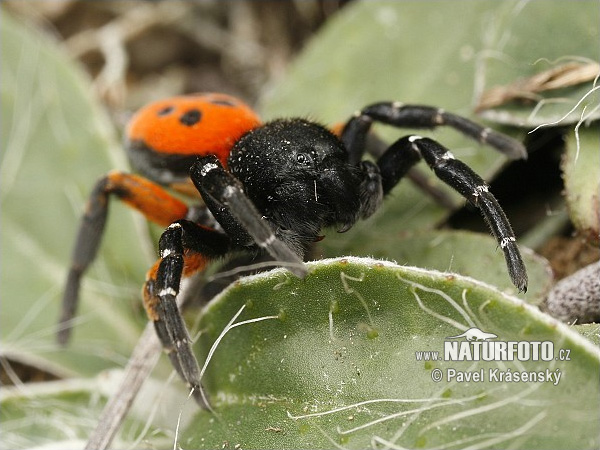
(304, 159)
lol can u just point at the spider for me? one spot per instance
(269, 187)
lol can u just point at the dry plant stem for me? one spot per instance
(141, 363)
(129, 25)
(143, 359)
(570, 74)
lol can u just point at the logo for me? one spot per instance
(475, 334)
(479, 345)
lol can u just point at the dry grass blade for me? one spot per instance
(142, 361)
(565, 75)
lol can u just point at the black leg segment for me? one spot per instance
(419, 116)
(185, 247)
(86, 248)
(395, 163)
(222, 188)
(406, 152)
(150, 199)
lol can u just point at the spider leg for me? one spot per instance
(185, 249)
(407, 151)
(236, 211)
(147, 197)
(375, 147)
(354, 135)
(439, 195)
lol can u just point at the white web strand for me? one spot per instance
(591, 91)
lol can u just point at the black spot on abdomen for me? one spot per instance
(191, 117)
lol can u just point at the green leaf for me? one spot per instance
(333, 363)
(57, 141)
(589, 330)
(515, 50)
(581, 173)
(472, 254)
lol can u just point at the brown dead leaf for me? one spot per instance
(565, 75)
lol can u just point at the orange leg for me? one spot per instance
(192, 263)
(153, 201)
(185, 248)
(156, 314)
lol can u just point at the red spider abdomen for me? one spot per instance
(164, 134)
